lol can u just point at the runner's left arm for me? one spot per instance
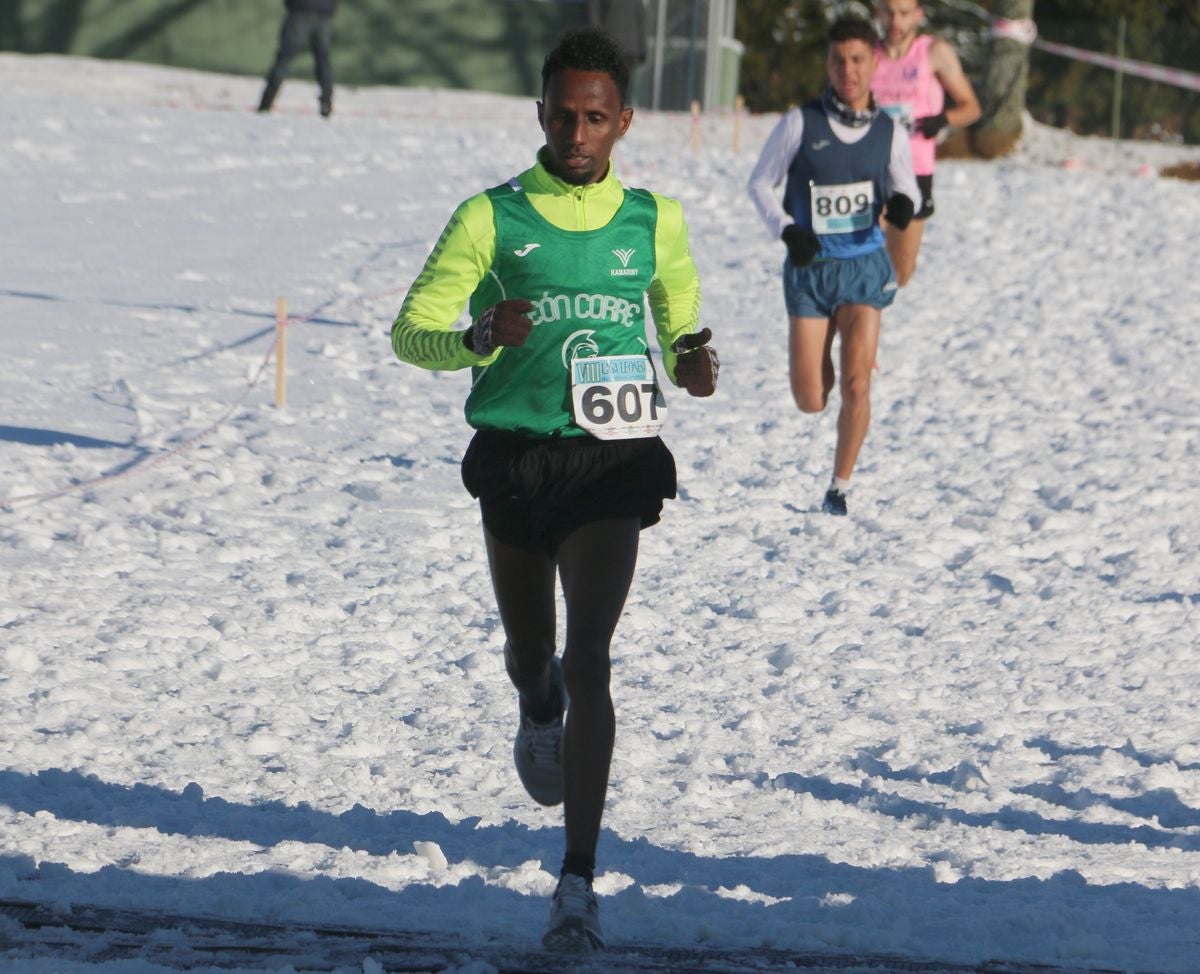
(948, 70)
(675, 291)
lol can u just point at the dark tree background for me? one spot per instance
(784, 60)
(1078, 96)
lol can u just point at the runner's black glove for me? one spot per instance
(930, 125)
(697, 364)
(899, 212)
(501, 324)
(802, 245)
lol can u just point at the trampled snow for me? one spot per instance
(249, 659)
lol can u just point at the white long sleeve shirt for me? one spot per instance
(781, 147)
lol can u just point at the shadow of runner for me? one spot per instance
(32, 436)
(106, 935)
(490, 889)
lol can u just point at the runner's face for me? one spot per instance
(850, 65)
(582, 117)
(899, 20)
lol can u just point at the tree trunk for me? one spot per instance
(1003, 95)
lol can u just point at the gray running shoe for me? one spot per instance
(574, 918)
(537, 750)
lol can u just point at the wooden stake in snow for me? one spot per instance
(281, 352)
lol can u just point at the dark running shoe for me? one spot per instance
(834, 503)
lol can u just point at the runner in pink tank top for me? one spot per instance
(906, 89)
(915, 75)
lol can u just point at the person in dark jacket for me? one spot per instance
(308, 24)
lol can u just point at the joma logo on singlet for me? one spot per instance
(624, 256)
(550, 308)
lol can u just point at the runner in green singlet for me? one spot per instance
(558, 267)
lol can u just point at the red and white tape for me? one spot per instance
(1022, 31)
(1025, 32)
(1139, 69)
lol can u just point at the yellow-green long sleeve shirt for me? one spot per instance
(423, 333)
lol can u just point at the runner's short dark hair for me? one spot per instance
(852, 29)
(588, 49)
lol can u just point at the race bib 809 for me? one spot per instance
(843, 208)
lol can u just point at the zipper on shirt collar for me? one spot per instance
(579, 194)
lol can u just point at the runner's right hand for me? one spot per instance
(697, 363)
(899, 211)
(930, 125)
(505, 323)
(802, 245)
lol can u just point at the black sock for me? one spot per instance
(580, 865)
(550, 709)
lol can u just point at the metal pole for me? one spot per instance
(712, 55)
(1116, 111)
(660, 33)
(693, 24)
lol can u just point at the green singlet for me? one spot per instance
(588, 292)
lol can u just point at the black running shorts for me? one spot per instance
(533, 493)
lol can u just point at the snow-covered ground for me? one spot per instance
(249, 658)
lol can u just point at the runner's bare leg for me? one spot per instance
(810, 362)
(858, 325)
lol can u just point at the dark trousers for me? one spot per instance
(301, 30)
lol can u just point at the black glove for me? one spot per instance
(697, 364)
(502, 324)
(899, 212)
(802, 245)
(930, 125)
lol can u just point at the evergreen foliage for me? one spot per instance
(784, 40)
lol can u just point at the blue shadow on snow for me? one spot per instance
(32, 436)
(797, 882)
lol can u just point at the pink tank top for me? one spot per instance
(906, 89)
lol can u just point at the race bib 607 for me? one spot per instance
(616, 397)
